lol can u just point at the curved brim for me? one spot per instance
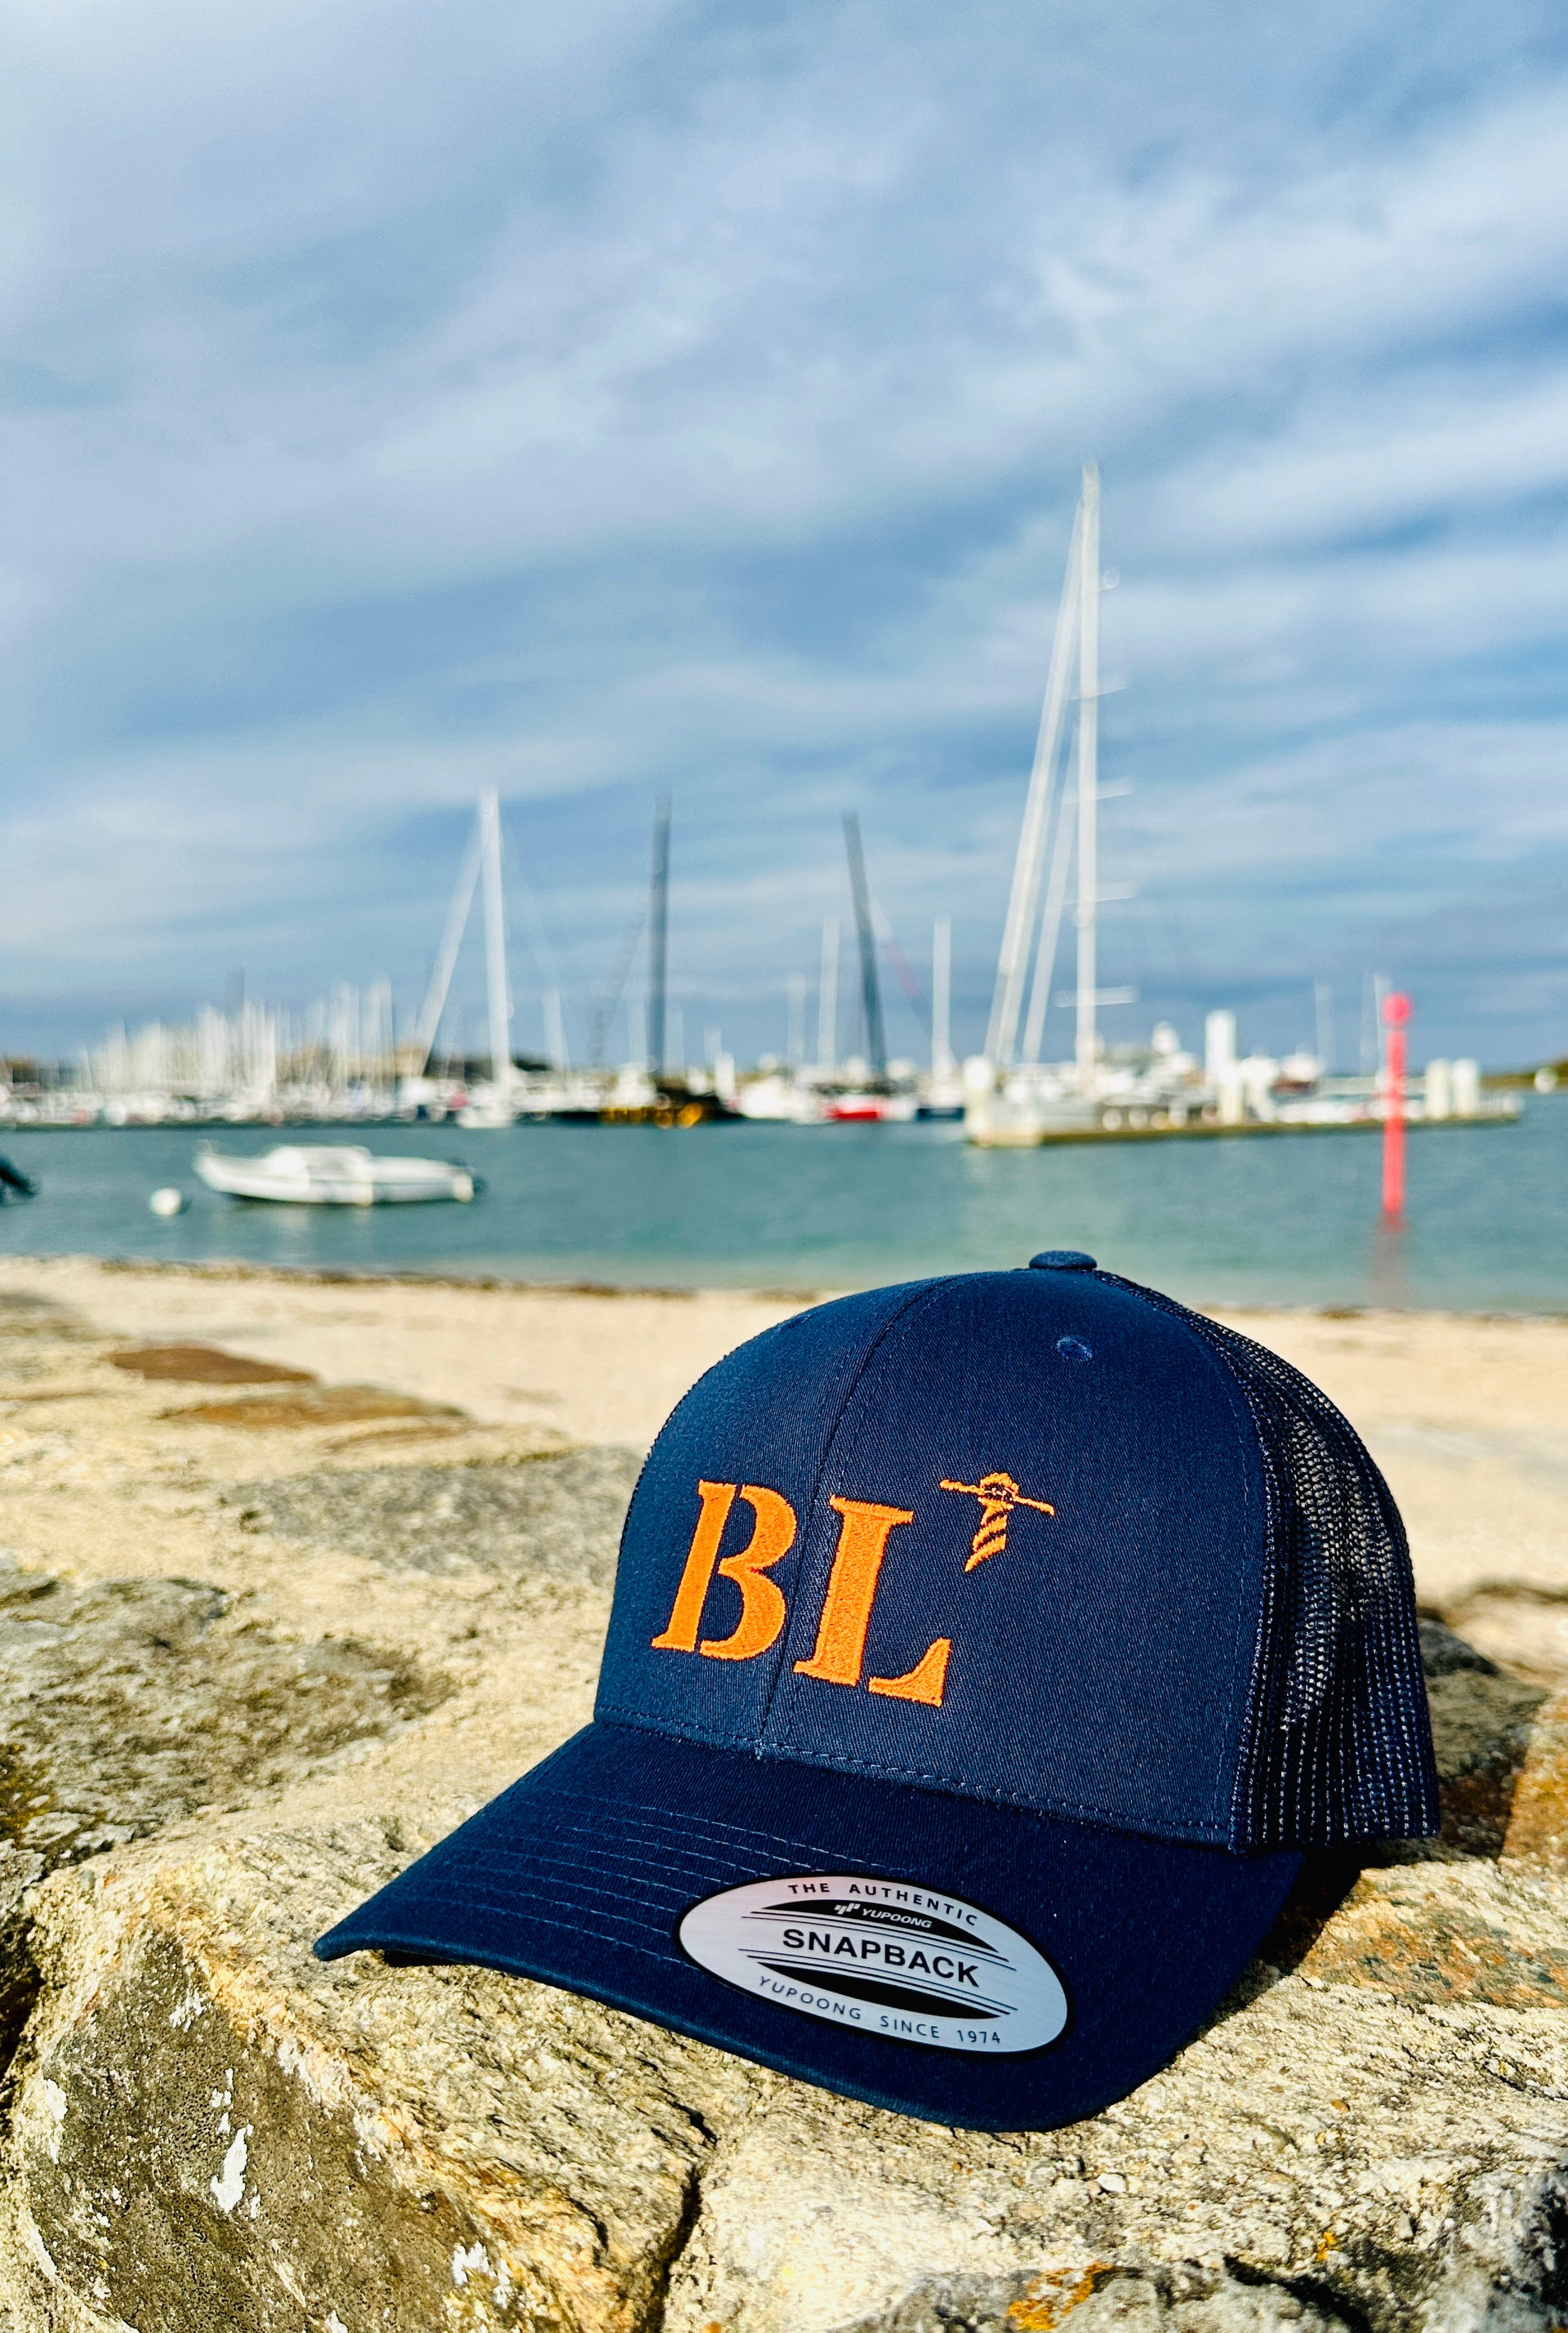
(580, 1875)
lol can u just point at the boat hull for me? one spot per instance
(335, 1180)
(871, 1109)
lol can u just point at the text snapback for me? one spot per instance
(985, 1652)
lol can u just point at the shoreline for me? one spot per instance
(795, 1219)
(765, 1292)
(1467, 1414)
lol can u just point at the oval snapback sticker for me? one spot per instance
(885, 1957)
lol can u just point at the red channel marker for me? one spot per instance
(1396, 1020)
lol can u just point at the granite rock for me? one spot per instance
(1538, 1833)
(557, 1516)
(1482, 1725)
(215, 2129)
(211, 2129)
(130, 1703)
(20, 1869)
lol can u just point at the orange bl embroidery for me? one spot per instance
(762, 1609)
(838, 1655)
(923, 1681)
(863, 1537)
(840, 1648)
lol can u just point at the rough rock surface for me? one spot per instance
(132, 1702)
(1537, 1831)
(558, 1516)
(1482, 1727)
(209, 2129)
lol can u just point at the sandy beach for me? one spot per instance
(1469, 1416)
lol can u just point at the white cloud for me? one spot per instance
(589, 401)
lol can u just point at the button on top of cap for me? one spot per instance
(1062, 1259)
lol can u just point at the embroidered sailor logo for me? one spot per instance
(866, 1528)
(999, 1495)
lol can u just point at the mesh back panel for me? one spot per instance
(1338, 1744)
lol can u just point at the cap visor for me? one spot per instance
(580, 1874)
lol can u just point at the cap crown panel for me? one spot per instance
(1070, 1624)
(763, 1415)
(1100, 1655)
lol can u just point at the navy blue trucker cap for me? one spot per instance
(985, 1653)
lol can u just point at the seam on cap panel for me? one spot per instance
(645, 1815)
(616, 1873)
(600, 1706)
(967, 1786)
(926, 1289)
(1242, 1412)
(947, 1785)
(690, 1395)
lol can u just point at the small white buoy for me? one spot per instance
(169, 1201)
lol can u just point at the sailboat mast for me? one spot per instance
(870, 989)
(828, 999)
(659, 938)
(500, 997)
(1088, 775)
(1013, 964)
(435, 1004)
(1050, 934)
(555, 1032)
(942, 997)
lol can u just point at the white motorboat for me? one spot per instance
(337, 1176)
(780, 1099)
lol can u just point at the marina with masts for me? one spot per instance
(342, 1061)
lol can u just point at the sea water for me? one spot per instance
(1287, 1220)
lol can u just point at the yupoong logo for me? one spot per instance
(864, 1529)
(884, 1958)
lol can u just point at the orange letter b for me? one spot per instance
(762, 1608)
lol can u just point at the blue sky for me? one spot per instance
(640, 397)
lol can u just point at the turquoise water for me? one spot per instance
(1293, 1220)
